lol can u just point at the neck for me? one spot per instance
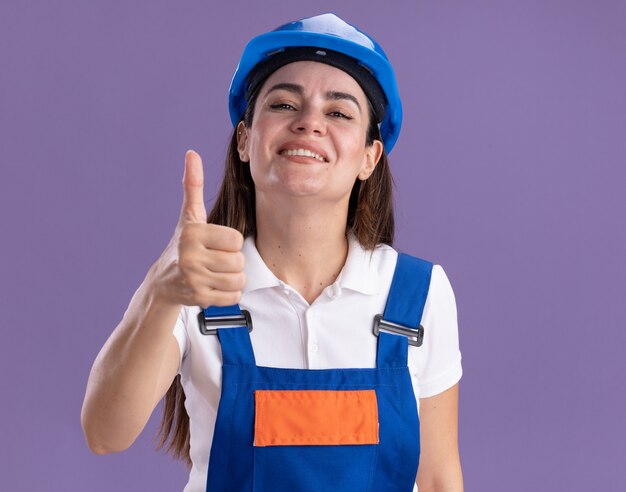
(304, 246)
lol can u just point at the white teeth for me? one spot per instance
(303, 152)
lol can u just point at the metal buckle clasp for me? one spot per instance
(415, 335)
(243, 319)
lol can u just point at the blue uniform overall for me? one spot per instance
(388, 460)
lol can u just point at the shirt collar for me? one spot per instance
(357, 274)
(258, 276)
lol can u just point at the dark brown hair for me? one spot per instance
(370, 219)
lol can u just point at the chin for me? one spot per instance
(299, 187)
(301, 191)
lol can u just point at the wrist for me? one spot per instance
(158, 288)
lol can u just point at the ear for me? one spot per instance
(242, 142)
(373, 153)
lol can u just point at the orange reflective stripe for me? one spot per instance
(292, 417)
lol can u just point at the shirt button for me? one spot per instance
(314, 348)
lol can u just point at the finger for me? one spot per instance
(222, 238)
(226, 282)
(198, 276)
(224, 261)
(219, 298)
(212, 237)
(193, 210)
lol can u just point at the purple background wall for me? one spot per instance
(509, 172)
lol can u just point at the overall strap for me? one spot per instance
(234, 336)
(405, 305)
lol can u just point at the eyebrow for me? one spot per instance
(298, 89)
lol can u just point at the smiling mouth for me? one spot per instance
(303, 153)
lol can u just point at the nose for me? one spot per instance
(309, 121)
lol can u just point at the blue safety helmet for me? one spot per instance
(328, 32)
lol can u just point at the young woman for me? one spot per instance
(296, 343)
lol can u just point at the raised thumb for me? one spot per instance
(193, 210)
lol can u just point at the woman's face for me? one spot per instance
(307, 136)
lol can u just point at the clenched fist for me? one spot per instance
(203, 264)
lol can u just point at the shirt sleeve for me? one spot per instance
(180, 332)
(436, 365)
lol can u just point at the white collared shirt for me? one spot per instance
(333, 332)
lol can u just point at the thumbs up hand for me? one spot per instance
(203, 263)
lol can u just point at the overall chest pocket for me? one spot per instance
(312, 440)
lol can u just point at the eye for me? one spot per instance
(282, 106)
(339, 114)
